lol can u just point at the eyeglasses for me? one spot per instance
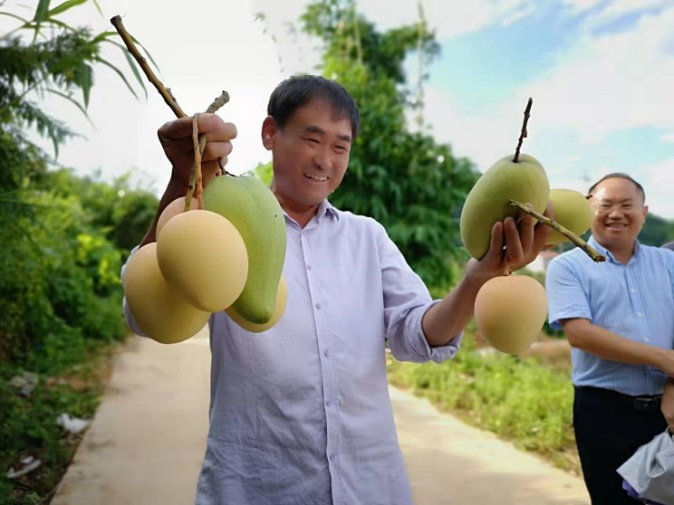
(606, 208)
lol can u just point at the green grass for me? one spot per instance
(28, 424)
(520, 400)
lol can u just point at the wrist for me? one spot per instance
(659, 359)
(175, 188)
(474, 277)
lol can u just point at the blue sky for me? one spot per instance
(601, 73)
(483, 69)
(598, 73)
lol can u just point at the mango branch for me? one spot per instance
(194, 188)
(589, 250)
(218, 102)
(195, 183)
(523, 133)
(163, 91)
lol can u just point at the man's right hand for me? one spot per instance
(666, 363)
(176, 139)
(668, 403)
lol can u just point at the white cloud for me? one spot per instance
(612, 82)
(581, 5)
(448, 18)
(658, 185)
(667, 137)
(608, 11)
(617, 8)
(603, 84)
(200, 50)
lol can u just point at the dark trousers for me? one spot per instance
(609, 429)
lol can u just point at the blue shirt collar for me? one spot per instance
(602, 250)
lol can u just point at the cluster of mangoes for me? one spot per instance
(227, 256)
(510, 310)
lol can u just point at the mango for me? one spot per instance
(202, 255)
(572, 211)
(255, 212)
(489, 200)
(159, 310)
(510, 312)
(174, 208)
(279, 308)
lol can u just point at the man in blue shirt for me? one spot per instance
(300, 414)
(619, 319)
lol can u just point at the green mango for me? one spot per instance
(255, 212)
(489, 201)
(572, 211)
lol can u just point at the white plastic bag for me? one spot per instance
(650, 471)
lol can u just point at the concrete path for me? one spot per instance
(147, 442)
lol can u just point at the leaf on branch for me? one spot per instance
(42, 11)
(85, 81)
(68, 4)
(132, 64)
(9, 14)
(118, 72)
(147, 53)
(73, 101)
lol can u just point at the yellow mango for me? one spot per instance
(177, 206)
(510, 312)
(159, 310)
(488, 202)
(202, 255)
(572, 211)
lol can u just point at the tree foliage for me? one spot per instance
(406, 180)
(656, 231)
(63, 237)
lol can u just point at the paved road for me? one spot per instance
(147, 442)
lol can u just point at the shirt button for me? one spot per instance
(331, 457)
(308, 267)
(639, 314)
(647, 339)
(326, 353)
(633, 290)
(318, 306)
(327, 403)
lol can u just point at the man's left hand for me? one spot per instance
(514, 244)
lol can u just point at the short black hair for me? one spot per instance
(619, 175)
(299, 90)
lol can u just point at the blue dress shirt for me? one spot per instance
(633, 300)
(300, 414)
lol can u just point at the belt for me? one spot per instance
(644, 402)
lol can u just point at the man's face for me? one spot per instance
(619, 213)
(310, 154)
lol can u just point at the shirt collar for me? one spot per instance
(602, 250)
(324, 208)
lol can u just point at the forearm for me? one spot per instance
(447, 318)
(611, 346)
(174, 190)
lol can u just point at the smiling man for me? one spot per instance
(300, 413)
(619, 319)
